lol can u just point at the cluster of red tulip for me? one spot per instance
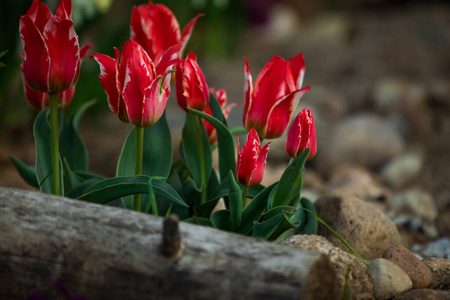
(137, 85)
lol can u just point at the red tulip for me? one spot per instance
(192, 90)
(221, 97)
(39, 101)
(156, 29)
(270, 103)
(302, 135)
(136, 89)
(251, 160)
(51, 57)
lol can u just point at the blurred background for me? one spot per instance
(379, 72)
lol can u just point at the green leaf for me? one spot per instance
(70, 144)
(198, 221)
(152, 202)
(227, 156)
(42, 138)
(114, 188)
(276, 211)
(235, 200)
(194, 154)
(254, 210)
(265, 229)
(238, 130)
(27, 173)
(71, 180)
(221, 219)
(309, 223)
(291, 181)
(80, 189)
(157, 156)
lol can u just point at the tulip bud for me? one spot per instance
(251, 161)
(302, 135)
(192, 90)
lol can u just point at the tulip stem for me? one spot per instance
(202, 159)
(54, 142)
(244, 197)
(139, 158)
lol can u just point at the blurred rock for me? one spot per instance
(359, 282)
(352, 180)
(440, 269)
(443, 223)
(365, 227)
(364, 139)
(439, 248)
(419, 273)
(424, 294)
(415, 201)
(388, 279)
(402, 169)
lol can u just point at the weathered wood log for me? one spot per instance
(102, 252)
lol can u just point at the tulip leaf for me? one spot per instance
(227, 157)
(291, 181)
(221, 219)
(254, 210)
(80, 189)
(196, 149)
(157, 156)
(28, 173)
(198, 221)
(113, 188)
(235, 200)
(310, 223)
(71, 180)
(273, 227)
(71, 146)
(43, 166)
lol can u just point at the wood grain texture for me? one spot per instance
(102, 252)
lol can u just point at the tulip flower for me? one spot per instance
(192, 90)
(136, 89)
(270, 103)
(302, 135)
(39, 101)
(156, 29)
(221, 97)
(251, 160)
(51, 57)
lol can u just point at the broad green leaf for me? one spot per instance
(27, 173)
(216, 109)
(70, 144)
(157, 156)
(196, 150)
(254, 210)
(113, 188)
(71, 180)
(235, 200)
(221, 220)
(198, 221)
(227, 156)
(291, 181)
(265, 229)
(152, 197)
(42, 138)
(276, 211)
(80, 189)
(309, 223)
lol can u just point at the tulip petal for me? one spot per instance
(294, 137)
(40, 14)
(64, 10)
(155, 100)
(297, 64)
(64, 51)
(168, 59)
(281, 113)
(107, 78)
(36, 62)
(84, 50)
(248, 91)
(260, 165)
(140, 28)
(187, 31)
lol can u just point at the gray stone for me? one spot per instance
(388, 279)
(402, 169)
(416, 201)
(440, 269)
(438, 248)
(363, 139)
(359, 283)
(365, 227)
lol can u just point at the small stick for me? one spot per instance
(171, 246)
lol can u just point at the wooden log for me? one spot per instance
(102, 252)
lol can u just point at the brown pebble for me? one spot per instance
(440, 270)
(419, 273)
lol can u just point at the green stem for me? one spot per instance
(244, 197)
(139, 157)
(202, 159)
(54, 142)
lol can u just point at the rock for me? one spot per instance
(424, 294)
(443, 223)
(359, 283)
(388, 279)
(356, 181)
(365, 227)
(416, 201)
(419, 273)
(440, 269)
(363, 139)
(402, 169)
(438, 248)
